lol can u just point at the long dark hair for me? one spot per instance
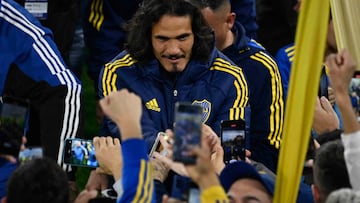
(139, 28)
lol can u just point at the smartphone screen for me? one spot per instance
(13, 113)
(194, 195)
(79, 152)
(354, 92)
(30, 153)
(355, 82)
(187, 131)
(323, 84)
(233, 140)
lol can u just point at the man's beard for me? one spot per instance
(175, 68)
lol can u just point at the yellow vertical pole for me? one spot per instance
(304, 82)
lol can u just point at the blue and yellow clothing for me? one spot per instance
(218, 85)
(266, 96)
(214, 194)
(284, 58)
(103, 30)
(137, 175)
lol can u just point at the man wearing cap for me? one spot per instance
(243, 183)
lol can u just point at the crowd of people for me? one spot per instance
(144, 57)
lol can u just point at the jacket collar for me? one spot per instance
(240, 40)
(242, 43)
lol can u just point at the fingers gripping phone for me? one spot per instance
(187, 131)
(233, 140)
(79, 152)
(157, 147)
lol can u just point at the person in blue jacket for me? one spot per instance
(32, 69)
(266, 119)
(80, 153)
(285, 57)
(170, 57)
(286, 54)
(104, 34)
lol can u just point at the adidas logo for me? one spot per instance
(152, 105)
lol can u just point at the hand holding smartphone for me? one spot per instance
(233, 140)
(79, 152)
(187, 131)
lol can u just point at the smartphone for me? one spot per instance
(323, 84)
(13, 114)
(30, 153)
(354, 89)
(157, 147)
(109, 193)
(194, 195)
(187, 131)
(355, 81)
(233, 140)
(79, 152)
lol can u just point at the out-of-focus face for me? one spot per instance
(297, 6)
(172, 40)
(248, 191)
(331, 40)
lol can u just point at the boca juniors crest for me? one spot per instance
(206, 106)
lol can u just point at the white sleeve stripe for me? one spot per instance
(37, 32)
(22, 23)
(16, 12)
(71, 117)
(70, 76)
(55, 66)
(46, 61)
(31, 30)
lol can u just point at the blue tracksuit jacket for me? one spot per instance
(285, 57)
(266, 96)
(217, 85)
(24, 43)
(28, 47)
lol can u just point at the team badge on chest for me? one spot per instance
(206, 106)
